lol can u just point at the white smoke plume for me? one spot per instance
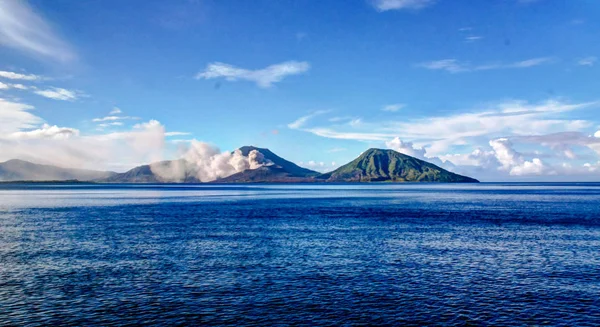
(207, 163)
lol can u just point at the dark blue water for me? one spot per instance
(483, 255)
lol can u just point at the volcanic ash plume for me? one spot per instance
(207, 163)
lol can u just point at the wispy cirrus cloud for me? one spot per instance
(441, 132)
(456, 66)
(57, 93)
(21, 28)
(113, 118)
(587, 61)
(473, 38)
(19, 76)
(115, 111)
(50, 92)
(176, 133)
(385, 5)
(264, 78)
(393, 107)
(296, 124)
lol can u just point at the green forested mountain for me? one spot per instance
(378, 165)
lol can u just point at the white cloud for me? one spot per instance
(366, 136)
(107, 118)
(355, 122)
(57, 93)
(15, 116)
(473, 38)
(115, 111)
(115, 123)
(24, 77)
(406, 147)
(450, 65)
(531, 62)
(19, 86)
(533, 167)
(461, 142)
(302, 120)
(264, 78)
(563, 142)
(47, 132)
(176, 133)
(505, 153)
(439, 132)
(6, 86)
(23, 29)
(113, 118)
(24, 135)
(385, 5)
(393, 107)
(319, 166)
(455, 66)
(587, 61)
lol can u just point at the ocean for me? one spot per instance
(301, 255)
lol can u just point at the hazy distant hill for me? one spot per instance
(20, 170)
(377, 165)
(148, 173)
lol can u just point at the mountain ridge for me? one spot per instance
(373, 165)
(22, 170)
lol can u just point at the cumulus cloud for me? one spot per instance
(57, 93)
(512, 161)
(533, 167)
(503, 157)
(264, 78)
(456, 66)
(21, 28)
(385, 5)
(406, 147)
(563, 142)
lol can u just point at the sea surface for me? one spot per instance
(302, 255)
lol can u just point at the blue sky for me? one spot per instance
(501, 90)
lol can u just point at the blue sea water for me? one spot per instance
(302, 255)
